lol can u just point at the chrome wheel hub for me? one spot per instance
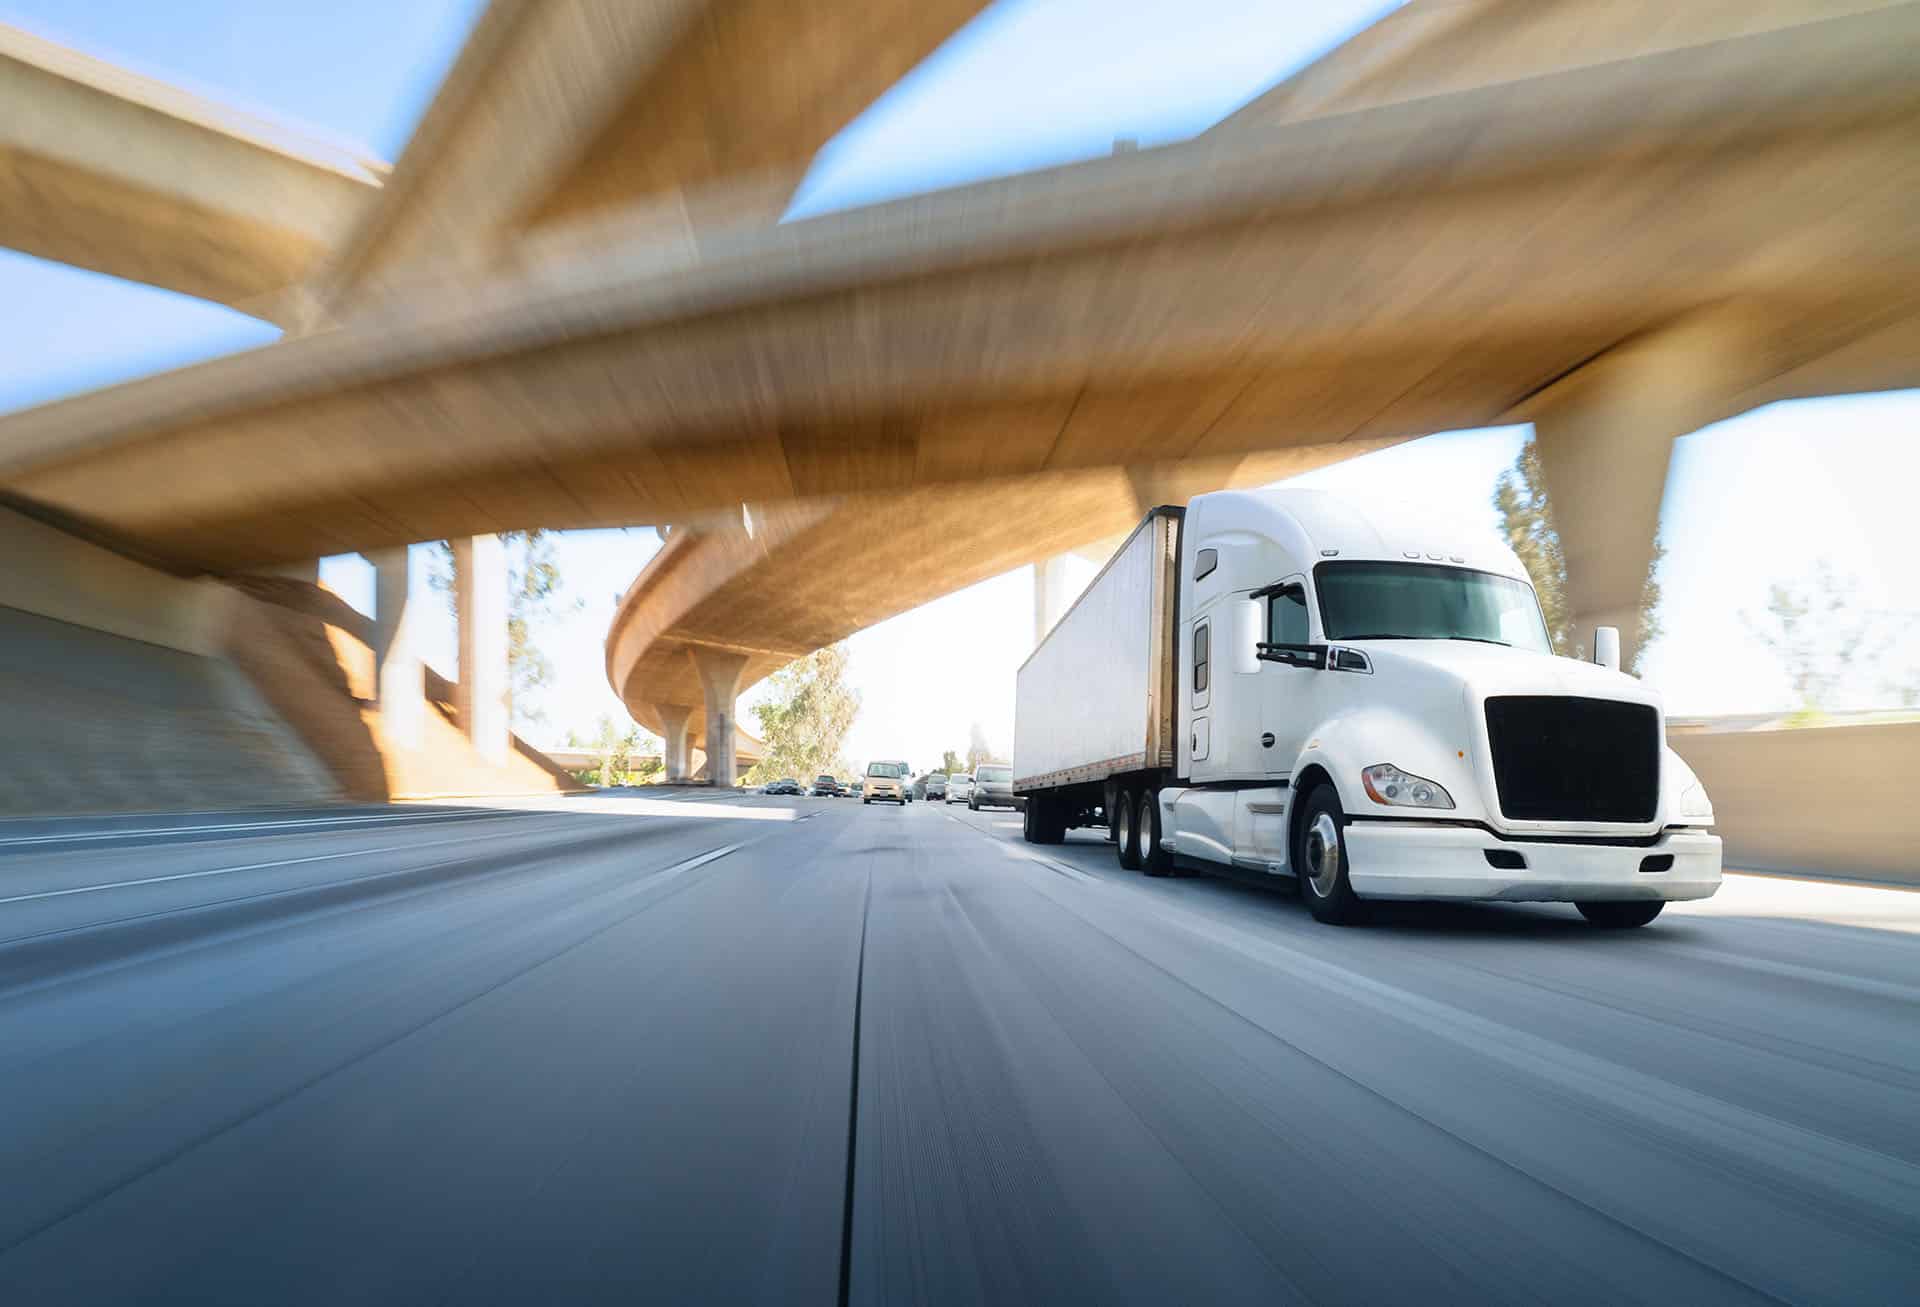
(1323, 854)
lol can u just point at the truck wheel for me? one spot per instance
(1126, 807)
(1621, 915)
(1153, 858)
(1040, 823)
(1320, 860)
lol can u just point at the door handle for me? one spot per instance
(1266, 740)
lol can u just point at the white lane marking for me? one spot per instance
(698, 860)
(1065, 869)
(228, 871)
(77, 836)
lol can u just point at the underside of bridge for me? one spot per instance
(570, 303)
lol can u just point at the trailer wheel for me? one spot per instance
(1126, 812)
(1043, 821)
(1153, 856)
(1320, 859)
(1621, 915)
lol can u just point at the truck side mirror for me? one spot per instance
(1247, 634)
(1606, 647)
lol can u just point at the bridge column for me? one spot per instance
(720, 673)
(1052, 595)
(1605, 435)
(480, 607)
(674, 752)
(400, 689)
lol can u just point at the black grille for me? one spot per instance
(1561, 759)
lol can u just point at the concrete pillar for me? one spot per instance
(1051, 594)
(399, 685)
(673, 736)
(480, 607)
(720, 673)
(1606, 434)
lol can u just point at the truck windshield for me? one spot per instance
(887, 770)
(1418, 601)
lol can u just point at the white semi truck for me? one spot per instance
(1283, 683)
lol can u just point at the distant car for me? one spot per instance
(935, 785)
(786, 786)
(825, 787)
(960, 787)
(887, 781)
(992, 788)
(856, 789)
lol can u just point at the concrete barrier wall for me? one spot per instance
(49, 573)
(1823, 801)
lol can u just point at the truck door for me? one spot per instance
(1199, 730)
(1287, 694)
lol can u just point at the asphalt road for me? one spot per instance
(743, 1049)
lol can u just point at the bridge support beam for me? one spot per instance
(1605, 434)
(399, 686)
(308, 571)
(675, 754)
(480, 606)
(720, 674)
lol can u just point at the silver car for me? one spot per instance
(992, 788)
(960, 787)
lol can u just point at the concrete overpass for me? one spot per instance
(553, 111)
(119, 174)
(1608, 393)
(1560, 228)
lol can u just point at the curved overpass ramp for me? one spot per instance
(811, 574)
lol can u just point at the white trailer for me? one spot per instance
(1095, 700)
(1282, 683)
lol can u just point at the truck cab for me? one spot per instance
(1367, 699)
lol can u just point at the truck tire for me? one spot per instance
(1126, 807)
(1043, 822)
(1621, 914)
(1320, 859)
(1154, 859)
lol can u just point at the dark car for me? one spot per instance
(786, 786)
(936, 782)
(825, 787)
(993, 788)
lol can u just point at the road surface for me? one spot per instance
(731, 1049)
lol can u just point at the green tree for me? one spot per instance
(950, 763)
(1825, 638)
(534, 585)
(1520, 497)
(805, 719)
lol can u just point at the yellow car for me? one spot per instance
(886, 780)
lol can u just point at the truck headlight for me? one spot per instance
(1386, 783)
(1695, 803)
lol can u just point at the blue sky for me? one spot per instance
(1028, 84)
